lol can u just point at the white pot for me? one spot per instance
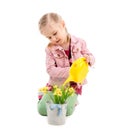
(56, 113)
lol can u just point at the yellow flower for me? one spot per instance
(44, 89)
(55, 86)
(71, 90)
(58, 92)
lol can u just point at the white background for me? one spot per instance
(22, 62)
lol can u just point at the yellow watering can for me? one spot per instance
(78, 71)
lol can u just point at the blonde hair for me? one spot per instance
(48, 17)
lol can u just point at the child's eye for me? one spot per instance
(54, 33)
(49, 37)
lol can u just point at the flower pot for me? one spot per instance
(56, 113)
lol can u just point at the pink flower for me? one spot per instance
(50, 87)
(79, 90)
(77, 87)
(39, 97)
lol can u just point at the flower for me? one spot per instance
(58, 94)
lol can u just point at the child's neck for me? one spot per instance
(65, 46)
(67, 43)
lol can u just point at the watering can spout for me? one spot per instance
(78, 71)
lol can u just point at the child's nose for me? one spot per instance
(54, 38)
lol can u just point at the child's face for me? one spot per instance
(55, 32)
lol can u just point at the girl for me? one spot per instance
(61, 51)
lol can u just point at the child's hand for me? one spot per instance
(89, 59)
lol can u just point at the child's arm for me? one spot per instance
(53, 70)
(87, 54)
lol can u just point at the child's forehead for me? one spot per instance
(49, 29)
(52, 25)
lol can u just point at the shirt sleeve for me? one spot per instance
(84, 51)
(53, 70)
